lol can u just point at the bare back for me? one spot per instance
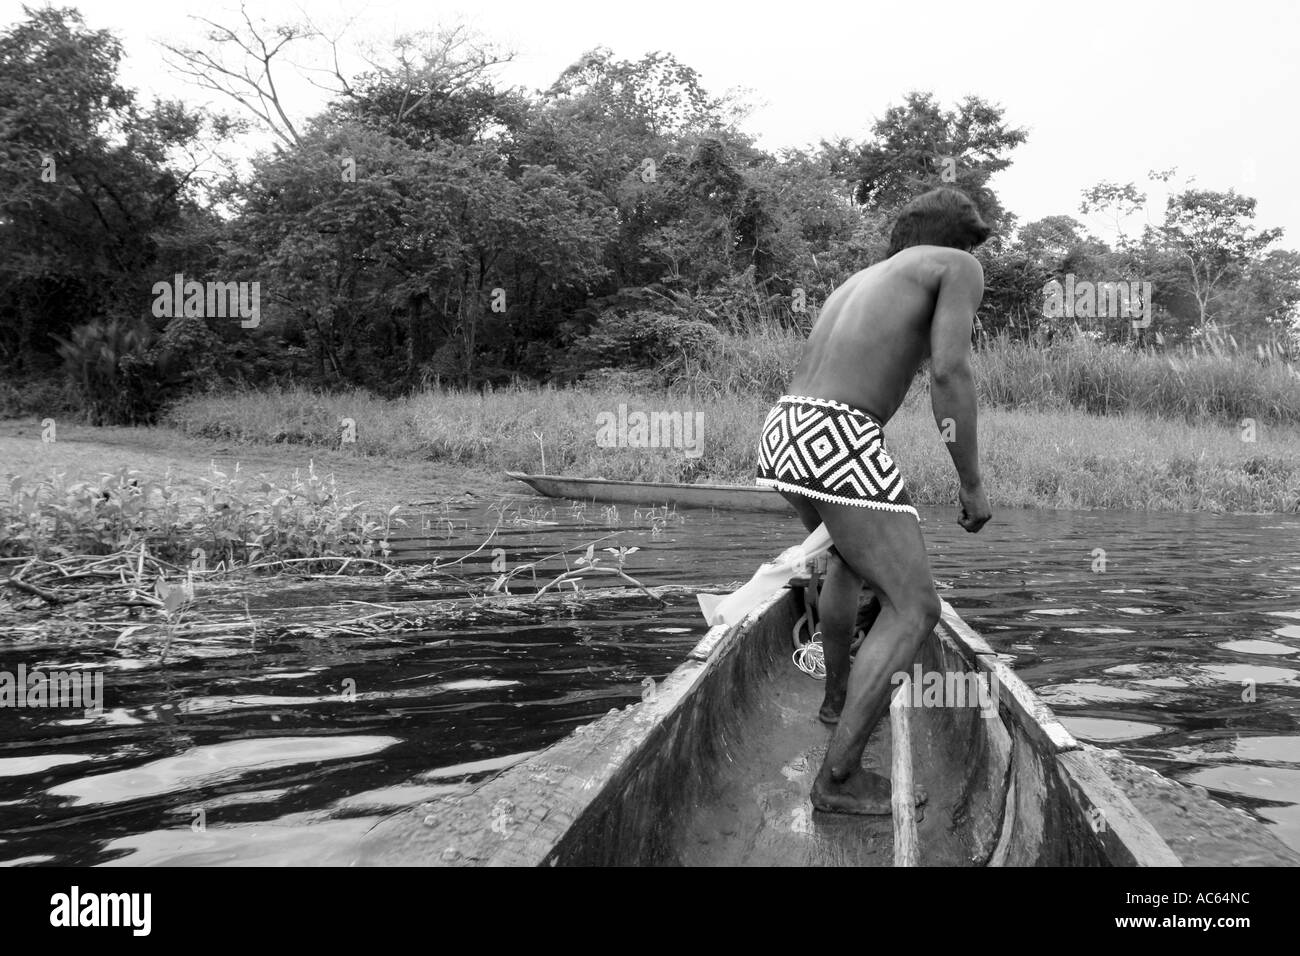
(875, 330)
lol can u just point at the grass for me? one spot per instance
(1217, 382)
(1071, 459)
(1077, 425)
(498, 430)
(759, 361)
(1077, 459)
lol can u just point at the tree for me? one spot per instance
(241, 62)
(95, 189)
(422, 238)
(1116, 201)
(919, 146)
(1013, 293)
(1209, 234)
(437, 84)
(1053, 240)
(656, 96)
(1265, 305)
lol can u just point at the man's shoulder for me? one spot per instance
(945, 255)
(934, 263)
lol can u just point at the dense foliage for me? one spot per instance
(430, 225)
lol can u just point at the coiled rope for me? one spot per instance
(811, 658)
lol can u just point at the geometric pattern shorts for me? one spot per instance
(829, 451)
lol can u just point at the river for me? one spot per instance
(1175, 638)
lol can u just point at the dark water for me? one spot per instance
(1184, 652)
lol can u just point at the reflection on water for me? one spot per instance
(1180, 646)
(1178, 649)
(202, 768)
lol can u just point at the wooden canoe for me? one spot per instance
(714, 768)
(657, 493)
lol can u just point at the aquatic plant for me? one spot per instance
(236, 519)
(589, 564)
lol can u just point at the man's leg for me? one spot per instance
(867, 614)
(837, 610)
(885, 549)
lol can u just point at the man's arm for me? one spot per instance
(952, 383)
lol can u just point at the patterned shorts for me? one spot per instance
(832, 452)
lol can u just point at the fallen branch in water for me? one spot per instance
(140, 597)
(39, 592)
(286, 562)
(568, 576)
(590, 564)
(324, 620)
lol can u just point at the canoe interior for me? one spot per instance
(715, 770)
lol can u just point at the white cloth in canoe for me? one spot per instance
(775, 574)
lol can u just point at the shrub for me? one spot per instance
(109, 362)
(125, 373)
(39, 397)
(642, 339)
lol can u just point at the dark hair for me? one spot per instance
(941, 217)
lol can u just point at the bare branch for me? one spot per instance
(252, 83)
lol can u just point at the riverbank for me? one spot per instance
(1043, 458)
(454, 444)
(85, 452)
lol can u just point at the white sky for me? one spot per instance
(1107, 90)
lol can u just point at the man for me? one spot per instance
(822, 447)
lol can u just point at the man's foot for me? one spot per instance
(862, 793)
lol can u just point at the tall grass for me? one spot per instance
(758, 362)
(1068, 458)
(1212, 383)
(506, 429)
(1078, 424)
(1056, 458)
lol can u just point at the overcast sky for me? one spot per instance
(1107, 90)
